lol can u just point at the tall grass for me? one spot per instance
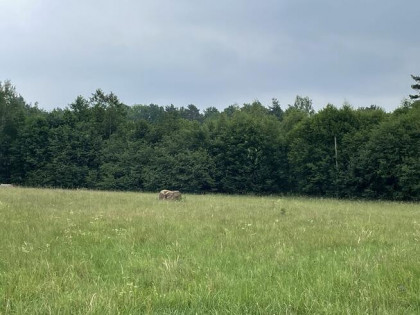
(85, 252)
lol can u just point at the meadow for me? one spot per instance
(92, 252)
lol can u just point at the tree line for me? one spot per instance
(101, 143)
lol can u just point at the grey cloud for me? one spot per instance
(210, 52)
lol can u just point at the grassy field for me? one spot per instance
(85, 252)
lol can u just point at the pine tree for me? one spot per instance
(416, 87)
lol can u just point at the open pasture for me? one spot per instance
(89, 252)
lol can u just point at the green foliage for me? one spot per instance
(416, 87)
(291, 118)
(101, 143)
(275, 109)
(304, 104)
(191, 113)
(33, 153)
(186, 171)
(389, 163)
(211, 113)
(314, 166)
(247, 148)
(151, 113)
(12, 120)
(118, 166)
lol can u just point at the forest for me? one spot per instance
(101, 143)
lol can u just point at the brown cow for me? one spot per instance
(169, 195)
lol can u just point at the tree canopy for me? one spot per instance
(416, 87)
(101, 143)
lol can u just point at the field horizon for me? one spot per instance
(89, 252)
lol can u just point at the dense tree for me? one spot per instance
(388, 165)
(349, 148)
(117, 164)
(191, 113)
(231, 109)
(304, 104)
(416, 87)
(74, 156)
(275, 109)
(291, 118)
(13, 111)
(108, 112)
(186, 170)
(103, 144)
(32, 152)
(150, 113)
(211, 113)
(247, 150)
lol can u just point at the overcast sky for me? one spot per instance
(211, 53)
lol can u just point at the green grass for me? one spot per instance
(85, 252)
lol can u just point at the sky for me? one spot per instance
(211, 53)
